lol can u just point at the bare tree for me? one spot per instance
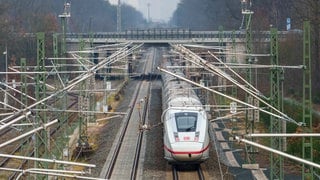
(310, 10)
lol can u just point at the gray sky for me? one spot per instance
(160, 10)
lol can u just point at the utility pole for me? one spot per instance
(276, 161)
(246, 25)
(64, 17)
(234, 60)
(307, 142)
(221, 81)
(119, 16)
(84, 105)
(42, 138)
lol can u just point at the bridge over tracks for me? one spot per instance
(172, 36)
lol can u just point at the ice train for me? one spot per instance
(185, 123)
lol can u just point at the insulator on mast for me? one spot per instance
(246, 7)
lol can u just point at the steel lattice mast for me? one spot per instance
(221, 81)
(246, 25)
(42, 137)
(83, 106)
(64, 18)
(276, 160)
(307, 142)
(234, 60)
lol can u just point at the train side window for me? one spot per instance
(186, 121)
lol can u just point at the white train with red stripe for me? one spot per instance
(185, 132)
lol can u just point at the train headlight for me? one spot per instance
(176, 136)
(196, 136)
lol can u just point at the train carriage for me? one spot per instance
(186, 138)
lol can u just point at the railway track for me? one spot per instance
(120, 144)
(123, 161)
(186, 174)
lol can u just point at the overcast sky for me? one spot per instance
(160, 10)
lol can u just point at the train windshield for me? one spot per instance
(186, 121)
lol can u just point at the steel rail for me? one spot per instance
(143, 121)
(139, 143)
(198, 170)
(122, 134)
(175, 173)
(127, 118)
(200, 173)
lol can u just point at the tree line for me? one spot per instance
(210, 14)
(19, 19)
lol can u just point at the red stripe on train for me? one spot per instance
(185, 152)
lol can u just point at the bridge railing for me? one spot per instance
(158, 34)
(175, 34)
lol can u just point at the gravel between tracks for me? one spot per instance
(154, 165)
(105, 135)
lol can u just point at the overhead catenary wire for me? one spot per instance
(22, 113)
(81, 77)
(284, 135)
(231, 98)
(47, 85)
(244, 54)
(256, 91)
(241, 66)
(8, 124)
(51, 172)
(82, 61)
(255, 94)
(25, 112)
(48, 160)
(28, 133)
(278, 152)
(204, 63)
(58, 74)
(75, 111)
(64, 72)
(14, 98)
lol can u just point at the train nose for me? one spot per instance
(187, 157)
(187, 151)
